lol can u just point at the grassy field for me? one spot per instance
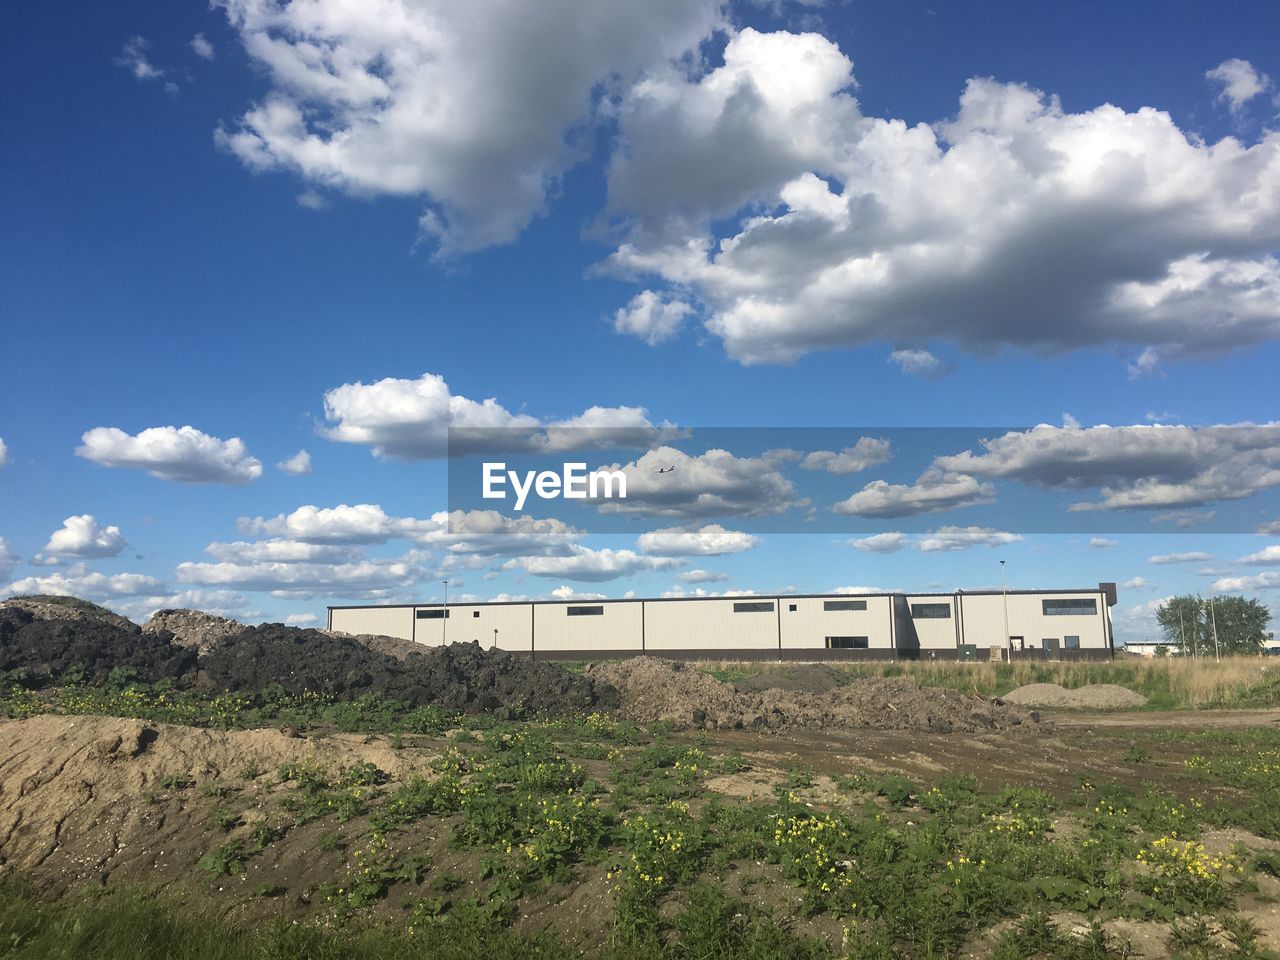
(509, 825)
(1167, 683)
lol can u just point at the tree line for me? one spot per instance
(1194, 626)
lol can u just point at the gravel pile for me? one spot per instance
(1093, 696)
(192, 628)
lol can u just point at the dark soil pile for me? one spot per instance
(652, 689)
(89, 649)
(461, 676)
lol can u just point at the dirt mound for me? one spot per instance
(192, 628)
(1094, 696)
(391, 646)
(64, 608)
(460, 676)
(807, 677)
(72, 791)
(86, 649)
(653, 689)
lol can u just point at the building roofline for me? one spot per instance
(746, 596)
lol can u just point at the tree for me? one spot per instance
(1188, 624)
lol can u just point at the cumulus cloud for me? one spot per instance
(962, 538)
(488, 533)
(1013, 223)
(935, 490)
(710, 540)
(298, 465)
(1262, 581)
(566, 592)
(477, 112)
(361, 523)
(411, 419)
(1269, 529)
(1143, 466)
(8, 559)
(312, 200)
(1102, 543)
(1193, 556)
(1136, 583)
(651, 317)
(286, 578)
(890, 542)
(1267, 556)
(4, 453)
(182, 454)
(918, 362)
(201, 46)
(1238, 83)
(854, 591)
(78, 581)
(82, 538)
(702, 576)
(713, 483)
(592, 566)
(280, 551)
(867, 452)
(302, 619)
(1145, 364)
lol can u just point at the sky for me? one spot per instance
(1018, 261)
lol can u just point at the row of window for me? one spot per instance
(1073, 607)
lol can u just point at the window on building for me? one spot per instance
(844, 604)
(791, 608)
(931, 611)
(437, 614)
(1071, 642)
(1073, 607)
(475, 613)
(584, 611)
(754, 606)
(847, 643)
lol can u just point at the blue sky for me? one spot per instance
(865, 216)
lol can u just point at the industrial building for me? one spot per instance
(1050, 624)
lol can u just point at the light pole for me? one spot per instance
(1004, 592)
(444, 630)
(1213, 617)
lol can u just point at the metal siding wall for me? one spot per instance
(984, 620)
(810, 625)
(381, 621)
(936, 634)
(710, 625)
(512, 622)
(618, 628)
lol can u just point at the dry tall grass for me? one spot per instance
(1173, 683)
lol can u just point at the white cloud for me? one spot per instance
(477, 111)
(78, 581)
(566, 592)
(592, 566)
(711, 540)
(183, 454)
(8, 559)
(679, 592)
(1238, 82)
(291, 578)
(1102, 543)
(411, 420)
(202, 47)
(1142, 466)
(702, 576)
(858, 590)
(301, 619)
(1268, 556)
(935, 490)
(1136, 583)
(1262, 581)
(1185, 519)
(867, 452)
(134, 58)
(889, 542)
(82, 538)
(280, 551)
(4, 453)
(298, 465)
(651, 317)
(918, 362)
(1014, 223)
(1269, 529)
(713, 483)
(962, 538)
(361, 523)
(488, 533)
(1145, 364)
(1194, 556)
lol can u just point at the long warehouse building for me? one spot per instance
(1052, 624)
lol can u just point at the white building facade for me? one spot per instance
(1051, 624)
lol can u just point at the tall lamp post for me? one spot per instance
(1004, 592)
(1213, 618)
(444, 630)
